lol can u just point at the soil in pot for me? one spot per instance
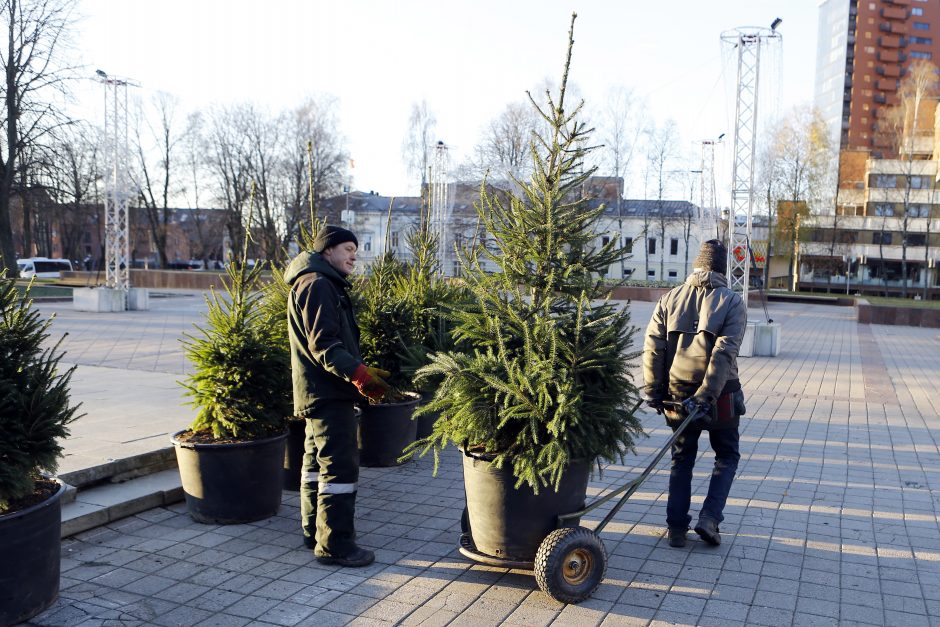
(509, 522)
(30, 548)
(232, 482)
(385, 430)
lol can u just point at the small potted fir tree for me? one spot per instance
(231, 456)
(34, 415)
(431, 297)
(388, 323)
(541, 388)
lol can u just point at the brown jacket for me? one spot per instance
(692, 340)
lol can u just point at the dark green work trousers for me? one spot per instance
(330, 478)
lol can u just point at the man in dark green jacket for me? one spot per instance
(329, 378)
(691, 357)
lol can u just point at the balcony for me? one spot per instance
(880, 98)
(889, 42)
(891, 71)
(889, 56)
(893, 13)
(884, 84)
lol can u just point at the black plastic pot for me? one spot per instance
(510, 523)
(294, 453)
(231, 483)
(384, 432)
(30, 546)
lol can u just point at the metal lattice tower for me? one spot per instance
(117, 161)
(440, 208)
(748, 42)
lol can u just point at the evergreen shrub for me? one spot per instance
(35, 409)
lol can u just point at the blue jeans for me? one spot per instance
(725, 444)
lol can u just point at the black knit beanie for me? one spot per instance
(330, 236)
(712, 256)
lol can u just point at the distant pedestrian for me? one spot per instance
(329, 378)
(690, 356)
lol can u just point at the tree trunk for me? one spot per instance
(7, 250)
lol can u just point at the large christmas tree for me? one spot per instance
(547, 377)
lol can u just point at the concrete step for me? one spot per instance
(118, 470)
(99, 505)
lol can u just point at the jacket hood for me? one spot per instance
(307, 262)
(707, 278)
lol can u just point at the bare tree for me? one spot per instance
(157, 144)
(227, 162)
(35, 78)
(315, 154)
(661, 150)
(622, 122)
(904, 125)
(419, 140)
(802, 168)
(71, 184)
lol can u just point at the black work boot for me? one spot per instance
(677, 537)
(354, 559)
(708, 530)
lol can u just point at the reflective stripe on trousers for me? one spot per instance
(338, 488)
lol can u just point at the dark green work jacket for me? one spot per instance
(324, 336)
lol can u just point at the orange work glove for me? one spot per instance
(371, 381)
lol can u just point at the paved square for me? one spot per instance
(832, 518)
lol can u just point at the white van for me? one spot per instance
(42, 267)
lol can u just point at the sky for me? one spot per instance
(468, 59)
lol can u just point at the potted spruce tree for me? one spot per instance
(541, 389)
(35, 412)
(231, 456)
(431, 297)
(274, 313)
(386, 315)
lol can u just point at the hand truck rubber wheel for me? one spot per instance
(570, 564)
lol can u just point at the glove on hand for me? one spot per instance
(656, 404)
(370, 381)
(692, 404)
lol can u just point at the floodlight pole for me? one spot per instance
(748, 42)
(440, 215)
(117, 159)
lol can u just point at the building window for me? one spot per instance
(651, 274)
(918, 182)
(673, 274)
(367, 243)
(921, 40)
(917, 11)
(918, 211)
(915, 54)
(394, 239)
(674, 246)
(886, 180)
(884, 209)
(628, 244)
(916, 239)
(921, 26)
(651, 245)
(881, 237)
(627, 272)
(605, 240)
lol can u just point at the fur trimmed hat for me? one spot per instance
(712, 256)
(330, 236)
